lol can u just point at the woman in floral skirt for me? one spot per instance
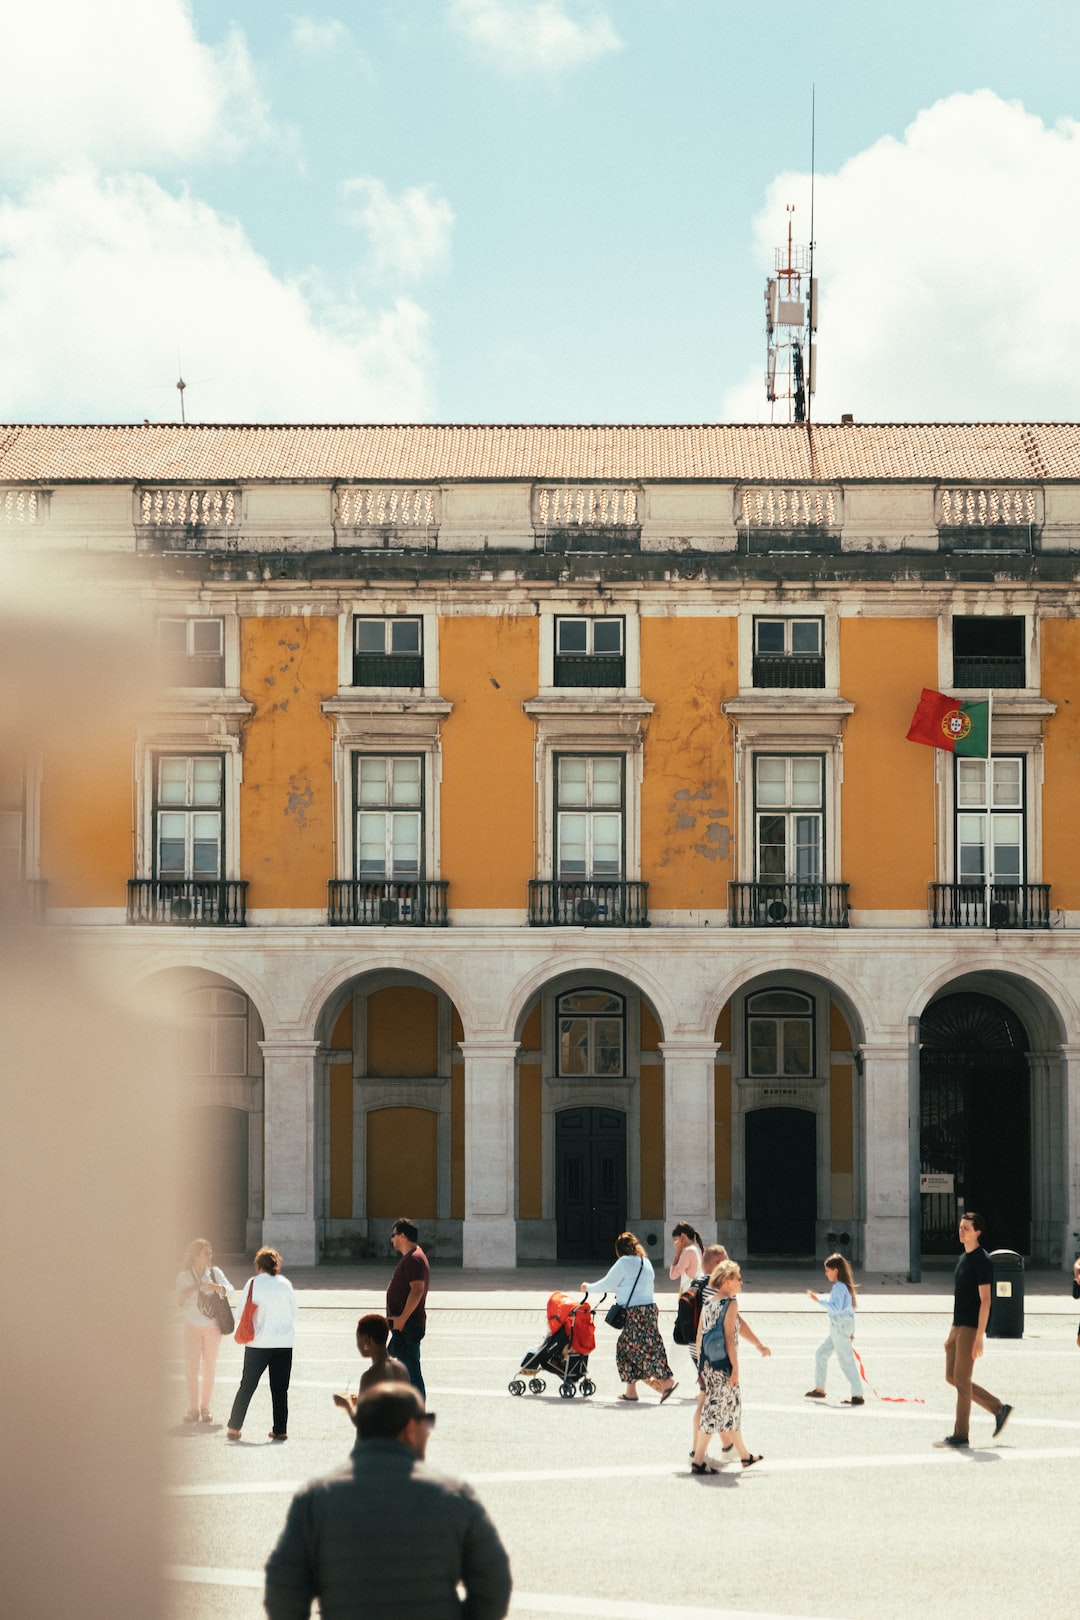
(639, 1353)
(722, 1412)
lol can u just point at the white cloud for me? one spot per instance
(409, 235)
(317, 38)
(521, 36)
(944, 261)
(124, 83)
(103, 280)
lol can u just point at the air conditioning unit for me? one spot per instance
(586, 909)
(388, 911)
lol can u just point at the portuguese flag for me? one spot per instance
(944, 722)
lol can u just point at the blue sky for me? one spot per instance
(534, 209)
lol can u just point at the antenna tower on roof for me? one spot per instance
(791, 321)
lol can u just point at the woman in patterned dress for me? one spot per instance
(639, 1352)
(722, 1412)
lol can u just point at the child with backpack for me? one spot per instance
(718, 1371)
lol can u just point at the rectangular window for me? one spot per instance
(389, 816)
(990, 821)
(589, 817)
(789, 652)
(188, 809)
(988, 652)
(589, 652)
(789, 818)
(192, 651)
(388, 652)
(12, 821)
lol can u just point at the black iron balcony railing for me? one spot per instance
(1004, 670)
(389, 903)
(1004, 905)
(789, 905)
(388, 669)
(590, 669)
(191, 901)
(789, 669)
(587, 903)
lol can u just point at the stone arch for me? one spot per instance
(390, 1109)
(993, 1112)
(218, 1098)
(590, 1125)
(814, 1133)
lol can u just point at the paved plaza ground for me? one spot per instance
(853, 1515)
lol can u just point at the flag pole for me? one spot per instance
(989, 793)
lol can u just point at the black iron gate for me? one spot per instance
(975, 1121)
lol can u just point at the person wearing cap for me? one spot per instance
(387, 1535)
(406, 1299)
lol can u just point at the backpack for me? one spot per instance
(688, 1312)
(714, 1345)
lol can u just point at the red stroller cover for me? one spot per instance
(561, 1311)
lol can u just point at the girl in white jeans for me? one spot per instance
(840, 1304)
(202, 1336)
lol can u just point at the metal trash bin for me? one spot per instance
(1006, 1295)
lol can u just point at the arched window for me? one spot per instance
(780, 1035)
(217, 1021)
(591, 1030)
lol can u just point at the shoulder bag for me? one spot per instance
(616, 1315)
(245, 1328)
(688, 1312)
(216, 1307)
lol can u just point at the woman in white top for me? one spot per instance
(689, 1245)
(199, 1278)
(272, 1346)
(639, 1352)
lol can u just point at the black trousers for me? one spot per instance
(255, 1364)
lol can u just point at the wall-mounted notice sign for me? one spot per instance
(936, 1182)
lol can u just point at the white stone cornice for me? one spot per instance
(488, 1046)
(283, 1047)
(692, 1047)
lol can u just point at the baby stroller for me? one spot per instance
(564, 1353)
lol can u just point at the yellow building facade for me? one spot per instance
(525, 821)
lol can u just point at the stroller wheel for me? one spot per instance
(588, 1387)
(517, 1386)
(567, 1390)
(537, 1386)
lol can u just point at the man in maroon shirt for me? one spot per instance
(406, 1294)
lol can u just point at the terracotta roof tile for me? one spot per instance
(163, 452)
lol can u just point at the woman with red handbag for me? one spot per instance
(269, 1316)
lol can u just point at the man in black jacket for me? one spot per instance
(386, 1537)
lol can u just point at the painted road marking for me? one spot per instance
(521, 1602)
(782, 1465)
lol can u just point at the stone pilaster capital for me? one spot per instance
(283, 1047)
(691, 1047)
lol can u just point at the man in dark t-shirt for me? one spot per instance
(963, 1347)
(406, 1295)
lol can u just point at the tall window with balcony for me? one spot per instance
(188, 884)
(589, 885)
(989, 652)
(388, 652)
(192, 651)
(789, 887)
(990, 840)
(389, 885)
(789, 653)
(589, 652)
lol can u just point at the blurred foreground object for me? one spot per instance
(85, 1167)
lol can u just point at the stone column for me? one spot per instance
(289, 1124)
(489, 1232)
(1070, 1232)
(886, 1126)
(689, 1137)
